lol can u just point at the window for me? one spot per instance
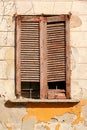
(42, 57)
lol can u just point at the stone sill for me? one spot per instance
(26, 100)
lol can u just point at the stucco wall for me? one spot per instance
(41, 116)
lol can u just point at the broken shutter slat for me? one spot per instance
(30, 58)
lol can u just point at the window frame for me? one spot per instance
(43, 65)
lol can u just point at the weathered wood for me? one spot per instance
(68, 77)
(56, 94)
(18, 75)
(43, 59)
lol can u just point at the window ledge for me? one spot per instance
(26, 100)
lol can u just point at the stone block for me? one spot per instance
(76, 90)
(79, 72)
(10, 69)
(7, 39)
(29, 124)
(7, 7)
(3, 69)
(62, 7)
(65, 126)
(7, 88)
(79, 7)
(78, 39)
(7, 69)
(6, 23)
(7, 53)
(80, 126)
(25, 7)
(45, 7)
(78, 55)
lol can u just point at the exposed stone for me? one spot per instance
(80, 126)
(67, 118)
(40, 126)
(28, 124)
(66, 126)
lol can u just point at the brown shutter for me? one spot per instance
(56, 51)
(27, 51)
(30, 54)
(56, 57)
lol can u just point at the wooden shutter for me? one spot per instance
(28, 51)
(30, 54)
(56, 55)
(56, 51)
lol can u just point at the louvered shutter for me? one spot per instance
(43, 53)
(56, 55)
(30, 55)
(56, 51)
(27, 52)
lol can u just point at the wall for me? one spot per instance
(43, 116)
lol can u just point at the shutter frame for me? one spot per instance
(18, 77)
(68, 76)
(43, 59)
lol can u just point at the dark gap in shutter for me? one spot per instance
(30, 59)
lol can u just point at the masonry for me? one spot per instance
(53, 115)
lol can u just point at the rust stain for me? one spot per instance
(58, 126)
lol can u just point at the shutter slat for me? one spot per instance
(30, 57)
(56, 52)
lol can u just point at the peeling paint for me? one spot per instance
(51, 110)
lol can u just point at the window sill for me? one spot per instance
(26, 100)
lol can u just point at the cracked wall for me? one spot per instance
(43, 116)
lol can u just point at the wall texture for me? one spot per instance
(43, 116)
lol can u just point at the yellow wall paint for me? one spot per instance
(46, 111)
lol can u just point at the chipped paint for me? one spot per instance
(51, 110)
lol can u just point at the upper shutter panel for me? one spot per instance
(56, 48)
(30, 52)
